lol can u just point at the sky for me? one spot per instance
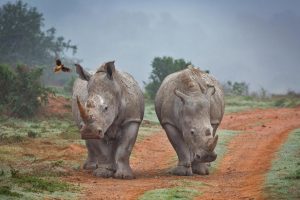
(256, 41)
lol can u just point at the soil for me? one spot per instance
(57, 106)
(239, 175)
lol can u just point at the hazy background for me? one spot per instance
(257, 41)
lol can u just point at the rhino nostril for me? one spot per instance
(207, 132)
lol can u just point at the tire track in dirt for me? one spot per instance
(150, 161)
(240, 174)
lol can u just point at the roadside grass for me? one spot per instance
(34, 156)
(283, 179)
(149, 113)
(224, 138)
(242, 103)
(188, 189)
(182, 189)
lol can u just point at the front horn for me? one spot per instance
(211, 144)
(82, 111)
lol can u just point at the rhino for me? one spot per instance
(108, 107)
(190, 106)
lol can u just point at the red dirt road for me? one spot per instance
(241, 171)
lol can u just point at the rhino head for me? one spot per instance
(102, 105)
(196, 126)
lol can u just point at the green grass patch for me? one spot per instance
(224, 138)
(147, 130)
(283, 179)
(182, 189)
(36, 184)
(17, 130)
(15, 184)
(242, 103)
(7, 191)
(170, 193)
(150, 113)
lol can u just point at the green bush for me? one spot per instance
(6, 83)
(24, 92)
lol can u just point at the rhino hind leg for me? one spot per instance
(184, 161)
(123, 151)
(200, 168)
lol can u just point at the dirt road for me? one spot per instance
(240, 174)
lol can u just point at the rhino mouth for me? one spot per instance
(208, 154)
(86, 134)
(207, 157)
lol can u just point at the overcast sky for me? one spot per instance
(256, 41)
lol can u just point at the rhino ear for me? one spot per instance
(183, 97)
(210, 90)
(110, 68)
(84, 75)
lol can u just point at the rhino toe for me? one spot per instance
(124, 174)
(182, 171)
(103, 172)
(200, 168)
(90, 165)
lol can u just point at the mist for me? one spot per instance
(252, 41)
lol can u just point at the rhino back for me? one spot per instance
(167, 105)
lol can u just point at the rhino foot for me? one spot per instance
(90, 165)
(124, 174)
(182, 171)
(103, 171)
(200, 168)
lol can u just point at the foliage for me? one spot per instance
(283, 180)
(6, 83)
(162, 67)
(69, 85)
(242, 103)
(236, 88)
(25, 93)
(22, 39)
(6, 191)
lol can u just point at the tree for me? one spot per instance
(22, 39)
(162, 67)
(240, 88)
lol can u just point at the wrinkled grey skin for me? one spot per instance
(190, 106)
(114, 105)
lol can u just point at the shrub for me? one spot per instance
(24, 92)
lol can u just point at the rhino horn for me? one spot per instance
(212, 143)
(82, 111)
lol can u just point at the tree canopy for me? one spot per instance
(162, 67)
(22, 39)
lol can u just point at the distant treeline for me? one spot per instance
(23, 41)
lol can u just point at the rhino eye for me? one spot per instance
(105, 108)
(192, 131)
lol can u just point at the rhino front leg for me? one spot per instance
(93, 149)
(123, 151)
(184, 157)
(105, 166)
